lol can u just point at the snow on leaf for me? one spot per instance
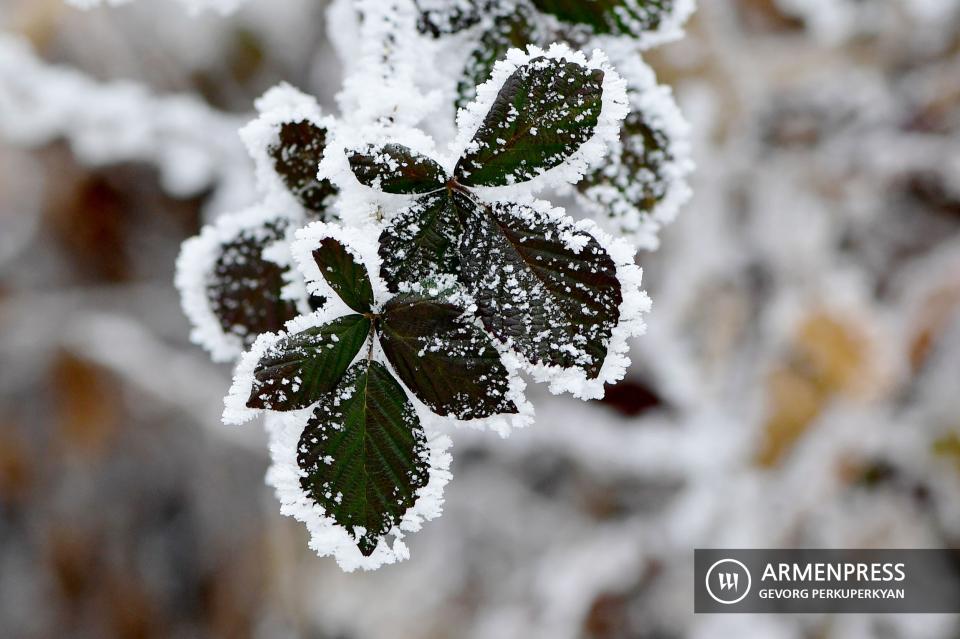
(633, 182)
(230, 291)
(297, 369)
(440, 17)
(544, 288)
(511, 30)
(421, 316)
(345, 275)
(296, 156)
(394, 168)
(421, 241)
(327, 536)
(643, 182)
(618, 17)
(244, 289)
(444, 358)
(364, 454)
(545, 111)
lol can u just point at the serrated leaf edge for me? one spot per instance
(195, 263)
(328, 538)
(280, 105)
(656, 103)
(362, 242)
(615, 107)
(635, 304)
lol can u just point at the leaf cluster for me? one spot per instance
(431, 313)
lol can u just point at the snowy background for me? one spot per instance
(797, 386)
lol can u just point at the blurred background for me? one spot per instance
(798, 385)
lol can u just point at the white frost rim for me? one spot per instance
(659, 108)
(615, 107)
(359, 204)
(327, 537)
(280, 105)
(634, 305)
(195, 263)
(362, 244)
(671, 25)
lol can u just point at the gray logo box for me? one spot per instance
(837, 581)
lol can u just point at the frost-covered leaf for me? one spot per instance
(344, 274)
(421, 241)
(512, 30)
(545, 111)
(394, 168)
(441, 17)
(445, 359)
(364, 454)
(244, 288)
(547, 290)
(620, 17)
(298, 369)
(296, 158)
(632, 181)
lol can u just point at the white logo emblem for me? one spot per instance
(728, 581)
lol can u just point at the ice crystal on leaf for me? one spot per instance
(363, 454)
(233, 285)
(385, 291)
(361, 366)
(296, 155)
(546, 288)
(231, 291)
(634, 18)
(643, 184)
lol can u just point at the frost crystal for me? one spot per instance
(385, 291)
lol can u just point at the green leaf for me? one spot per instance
(297, 370)
(394, 168)
(445, 359)
(512, 30)
(543, 114)
(296, 158)
(553, 304)
(364, 454)
(620, 17)
(244, 289)
(443, 17)
(421, 241)
(344, 275)
(632, 179)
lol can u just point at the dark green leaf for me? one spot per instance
(393, 168)
(345, 275)
(443, 17)
(364, 454)
(512, 30)
(421, 241)
(296, 158)
(632, 179)
(553, 304)
(444, 358)
(297, 370)
(543, 114)
(620, 17)
(244, 288)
